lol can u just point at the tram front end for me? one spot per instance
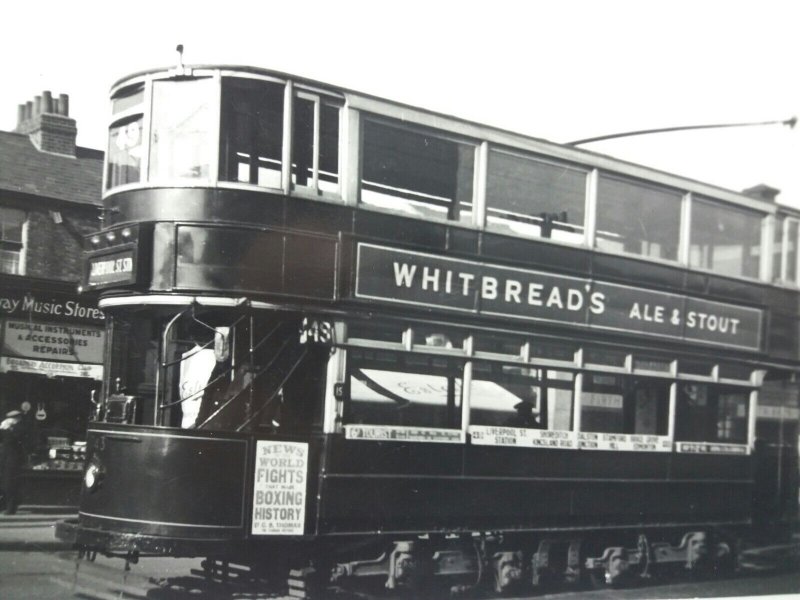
(211, 452)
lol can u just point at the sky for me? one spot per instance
(560, 70)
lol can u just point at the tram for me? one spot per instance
(409, 347)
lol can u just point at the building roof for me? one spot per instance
(25, 169)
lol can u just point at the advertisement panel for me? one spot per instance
(51, 341)
(415, 278)
(279, 488)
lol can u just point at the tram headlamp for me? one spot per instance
(92, 476)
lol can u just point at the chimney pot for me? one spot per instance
(29, 110)
(47, 102)
(762, 192)
(20, 115)
(63, 104)
(37, 106)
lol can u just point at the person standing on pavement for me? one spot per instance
(13, 455)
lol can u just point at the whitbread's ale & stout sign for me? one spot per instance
(415, 278)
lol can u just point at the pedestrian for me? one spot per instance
(13, 455)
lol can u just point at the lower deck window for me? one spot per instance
(387, 388)
(623, 404)
(711, 413)
(512, 396)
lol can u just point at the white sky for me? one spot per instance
(559, 70)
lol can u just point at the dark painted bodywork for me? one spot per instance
(195, 487)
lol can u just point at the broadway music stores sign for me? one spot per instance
(52, 335)
(414, 278)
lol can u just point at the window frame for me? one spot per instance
(319, 100)
(13, 246)
(763, 244)
(416, 128)
(520, 154)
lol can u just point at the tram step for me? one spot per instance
(301, 583)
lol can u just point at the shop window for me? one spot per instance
(514, 396)
(181, 144)
(388, 388)
(11, 224)
(711, 413)
(623, 404)
(416, 172)
(534, 198)
(725, 239)
(315, 143)
(633, 218)
(251, 131)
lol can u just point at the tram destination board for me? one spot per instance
(405, 277)
(118, 268)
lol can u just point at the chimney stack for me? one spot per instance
(47, 122)
(762, 191)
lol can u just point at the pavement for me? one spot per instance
(32, 528)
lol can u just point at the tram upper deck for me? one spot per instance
(247, 181)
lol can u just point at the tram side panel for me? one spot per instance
(416, 487)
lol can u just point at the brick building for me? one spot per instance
(52, 336)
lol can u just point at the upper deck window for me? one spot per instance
(725, 239)
(637, 219)
(129, 97)
(535, 198)
(784, 261)
(181, 143)
(417, 172)
(251, 131)
(125, 147)
(315, 143)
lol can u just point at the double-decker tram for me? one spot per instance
(422, 351)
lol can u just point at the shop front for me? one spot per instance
(50, 370)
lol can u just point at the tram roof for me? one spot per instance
(572, 153)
